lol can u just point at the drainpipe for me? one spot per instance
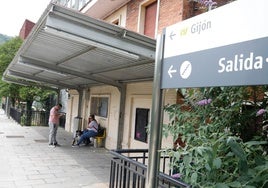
(120, 131)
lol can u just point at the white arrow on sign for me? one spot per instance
(171, 70)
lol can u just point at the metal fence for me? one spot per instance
(32, 117)
(128, 170)
(16, 115)
(3, 106)
(29, 118)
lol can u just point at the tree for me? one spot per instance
(7, 53)
(16, 92)
(29, 93)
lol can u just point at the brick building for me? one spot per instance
(26, 29)
(119, 90)
(148, 17)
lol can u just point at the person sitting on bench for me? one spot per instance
(91, 131)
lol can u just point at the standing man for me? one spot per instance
(53, 122)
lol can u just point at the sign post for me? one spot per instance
(156, 119)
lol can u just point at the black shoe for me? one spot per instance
(87, 142)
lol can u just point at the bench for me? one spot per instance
(99, 139)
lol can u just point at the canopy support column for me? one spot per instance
(79, 111)
(121, 116)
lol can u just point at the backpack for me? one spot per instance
(100, 130)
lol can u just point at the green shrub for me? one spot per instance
(225, 145)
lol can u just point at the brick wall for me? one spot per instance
(26, 29)
(132, 15)
(171, 12)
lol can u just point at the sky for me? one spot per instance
(13, 13)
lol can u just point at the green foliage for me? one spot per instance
(8, 51)
(23, 120)
(10, 90)
(17, 93)
(218, 152)
(28, 93)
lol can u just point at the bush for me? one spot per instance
(224, 145)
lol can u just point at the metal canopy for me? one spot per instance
(67, 49)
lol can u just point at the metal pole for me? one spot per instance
(8, 107)
(120, 131)
(80, 92)
(156, 119)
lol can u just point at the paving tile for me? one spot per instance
(27, 162)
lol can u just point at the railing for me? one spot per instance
(29, 118)
(15, 114)
(3, 106)
(128, 170)
(32, 117)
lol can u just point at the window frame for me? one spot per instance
(97, 103)
(141, 17)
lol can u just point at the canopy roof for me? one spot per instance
(67, 49)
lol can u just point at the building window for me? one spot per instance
(147, 18)
(141, 123)
(150, 20)
(99, 106)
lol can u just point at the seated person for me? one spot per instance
(91, 131)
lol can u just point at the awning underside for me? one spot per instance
(67, 49)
